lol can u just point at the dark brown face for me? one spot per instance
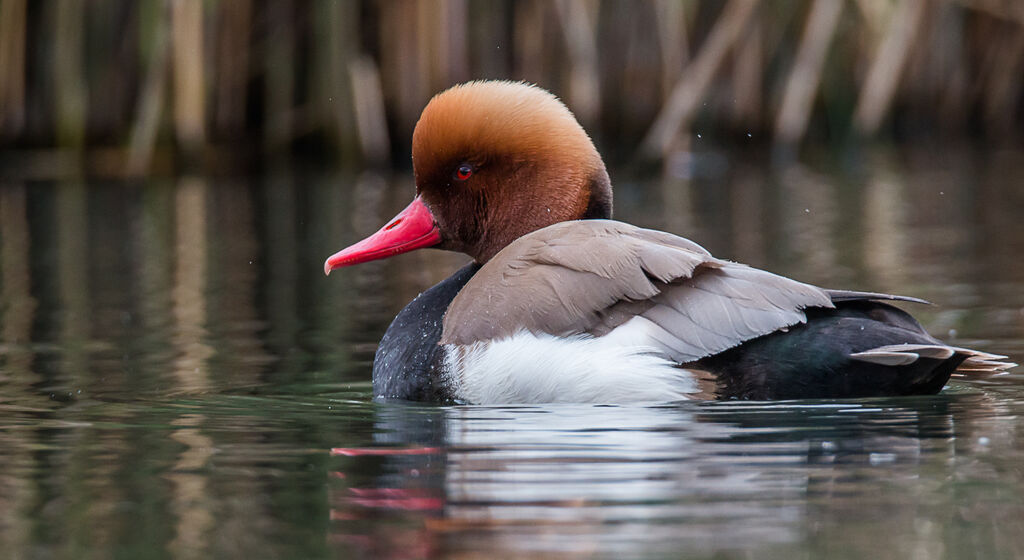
(482, 202)
(497, 160)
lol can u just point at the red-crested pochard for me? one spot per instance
(562, 304)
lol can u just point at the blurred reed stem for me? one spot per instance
(345, 81)
(879, 87)
(155, 40)
(232, 66)
(803, 80)
(577, 22)
(68, 73)
(279, 76)
(693, 85)
(188, 63)
(12, 67)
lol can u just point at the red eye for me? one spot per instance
(465, 171)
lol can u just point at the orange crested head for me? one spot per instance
(495, 160)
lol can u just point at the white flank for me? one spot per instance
(528, 368)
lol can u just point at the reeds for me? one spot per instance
(190, 81)
(12, 68)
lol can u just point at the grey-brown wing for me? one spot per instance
(720, 307)
(590, 277)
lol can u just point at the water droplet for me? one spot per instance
(983, 440)
(807, 210)
(698, 136)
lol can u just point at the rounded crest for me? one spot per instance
(484, 118)
(496, 160)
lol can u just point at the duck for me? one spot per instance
(563, 304)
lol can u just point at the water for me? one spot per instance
(178, 379)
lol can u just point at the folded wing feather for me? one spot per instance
(593, 276)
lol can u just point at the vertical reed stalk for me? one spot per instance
(232, 66)
(189, 81)
(452, 53)
(747, 78)
(948, 72)
(1004, 80)
(145, 127)
(338, 33)
(577, 21)
(798, 99)
(879, 89)
(696, 79)
(12, 67)
(402, 53)
(371, 118)
(279, 77)
(672, 38)
(69, 73)
(529, 32)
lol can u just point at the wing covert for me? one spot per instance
(595, 276)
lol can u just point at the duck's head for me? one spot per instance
(493, 161)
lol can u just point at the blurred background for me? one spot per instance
(175, 367)
(126, 87)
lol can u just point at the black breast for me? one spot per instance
(406, 364)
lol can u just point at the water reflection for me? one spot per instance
(188, 301)
(190, 504)
(621, 480)
(16, 301)
(174, 369)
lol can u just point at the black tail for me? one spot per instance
(862, 348)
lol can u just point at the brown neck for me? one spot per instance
(505, 224)
(599, 206)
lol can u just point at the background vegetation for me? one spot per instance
(132, 87)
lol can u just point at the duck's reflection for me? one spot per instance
(617, 479)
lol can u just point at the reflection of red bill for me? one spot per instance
(406, 503)
(342, 515)
(395, 498)
(384, 451)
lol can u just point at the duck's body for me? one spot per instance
(703, 328)
(565, 305)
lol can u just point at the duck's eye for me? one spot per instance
(463, 172)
